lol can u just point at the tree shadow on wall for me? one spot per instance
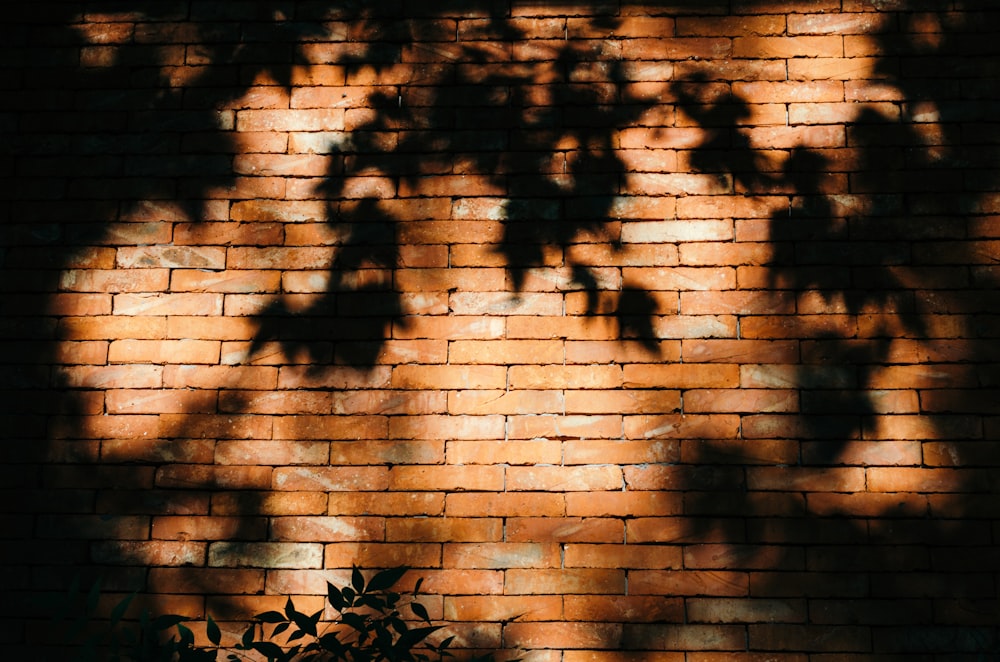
(911, 582)
(110, 140)
(129, 148)
(864, 556)
(548, 194)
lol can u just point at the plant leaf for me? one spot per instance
(355, 621)
(269, 650)
(93, 595)
(415, 636)
(420, 611)
(187, 637)
(305, 623)
(335, 597)
(247, 639)
(357, 580)
(119, 611)
(387, 578)
(212, 631)
(167, 621)
(270, 617)
(290, 611)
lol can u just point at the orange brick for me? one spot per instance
(561, 376)
(504, 451)
(504, 402)
(497, 608)
(624, 351)
(744, 400)
(565, 529)
(564, 479)
(566, 635)
(681, 375)
(168, 304)
(114, 280)
(381, 503)
(434, 478)
(710, 426)
(577, 581)
(622, 504)
(571, 426)
(327, 529)
(181, 475)
(505, 351)
(208, 528)
(445, 377)
(164, 351)
(452, 427)
(224, 581)
(446, 529)
(269, 503)
(378, 554)
(150, 401)
(330, 427)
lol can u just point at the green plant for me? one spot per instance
(369, 627)
(117, 640)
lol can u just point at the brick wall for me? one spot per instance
(642, 331)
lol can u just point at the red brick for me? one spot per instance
(496, 608)
(565, 529)
(564, 582)
(449, 377)
(330, 427)
(224, 581)
(561, 377)
(505, 351)
(451, 427)
(379, 555)
(172, 257)
(380, 503)
(505, 451)
(525, 504)
(214, 426)
(269, 503)
(646, 556)
(159, 553)
(573, 427)
(745, 400)
(168, 304)
(806, 479)
(502, 555)
(444, 529)
(698, 426)
(739, 451)
(114, 280)
(265, 555)
(504, 402)
(208, 528)
(451, 478)
(688, 583)
(331, 479)
(680, 376)
(327, 529)
(187, 280)
(566, 635)
(164, 351)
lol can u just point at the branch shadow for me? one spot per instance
(907, 583)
